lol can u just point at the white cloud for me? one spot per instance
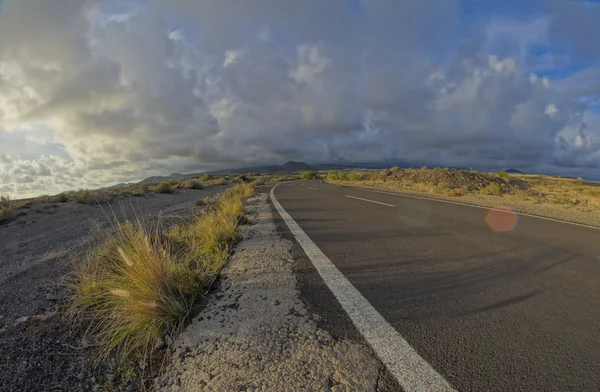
(104, 95)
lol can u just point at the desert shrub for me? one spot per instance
(192, 184)
(493, 188)
(162, 187)
(455, 192)
(60, 198)
(6, 210)
(218, 181)
(260, 181)
(342, 176)
(45, 199)
(332, 176)
(442, 185)
(206, 177)
(354, 176)
(81, 196)
(309, 175)
(504, 175)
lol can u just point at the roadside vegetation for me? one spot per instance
(309, 175)
(6, 210)
(481, 188)
(144, 281)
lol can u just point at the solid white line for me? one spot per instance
(404, 363)
(371, 201)
(476, 206)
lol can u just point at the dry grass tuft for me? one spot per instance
(134, 289)
(143, 282)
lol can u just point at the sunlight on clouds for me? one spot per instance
(127, 90)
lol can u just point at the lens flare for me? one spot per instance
(501, 220)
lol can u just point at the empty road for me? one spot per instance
(491, 301)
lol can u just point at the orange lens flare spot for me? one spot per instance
(501, 220)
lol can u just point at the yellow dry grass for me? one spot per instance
(143, 283)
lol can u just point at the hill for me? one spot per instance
(292, 166)
(514, 171)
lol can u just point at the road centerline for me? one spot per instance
(404, 363)
(370, 201)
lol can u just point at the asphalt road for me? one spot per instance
(492, 301)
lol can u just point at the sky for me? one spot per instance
(94, 93)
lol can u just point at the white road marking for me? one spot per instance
(404, 363)
(314, 189)
(476, 206)
(371, 201)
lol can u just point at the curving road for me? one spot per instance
(491, 301)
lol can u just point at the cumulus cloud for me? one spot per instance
(99, 92)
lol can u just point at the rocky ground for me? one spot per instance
(257, 334)
(39, 348)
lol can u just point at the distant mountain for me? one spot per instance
(172, 176)
(513, 171)
(292, 166)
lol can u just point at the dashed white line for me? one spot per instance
(476, 206)
(371, 201)
(314, 189)
(404, 363)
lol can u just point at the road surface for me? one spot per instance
(491, 301)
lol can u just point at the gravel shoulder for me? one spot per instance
(256, 333)
(591, 217)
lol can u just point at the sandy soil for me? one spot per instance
(38, 349)
(256, 333)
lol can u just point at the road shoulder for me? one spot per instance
(256, 331)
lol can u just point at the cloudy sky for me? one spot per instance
(94, 93)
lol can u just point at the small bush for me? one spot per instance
(218, 181)
(81, 196)
(206, 177)
(443, 185)
(309, 175)
(455, 192)
(504, 175)
(332, 176)
(342, 176)
(162, 187)
(192, 184)
(6, 210)
(354, 176)
(60, 198)
(493, 188)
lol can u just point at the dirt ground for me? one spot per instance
(38, 348)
